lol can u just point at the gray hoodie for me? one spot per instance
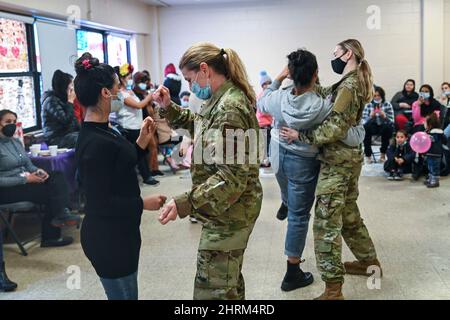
(303, 112)
(14, 161)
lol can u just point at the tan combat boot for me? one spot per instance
(360, 267)
(333, 291)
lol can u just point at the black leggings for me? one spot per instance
(53, 193)
(143, 167)
(385, 130)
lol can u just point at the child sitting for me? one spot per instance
(434, 155)
(399, 157)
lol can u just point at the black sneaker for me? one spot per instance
(433, 183)
(296, 280)
(391, 176)
(398, 176)
(157, 173)
(66, 219)
(151, 182)
(61, 242)
(282, 212)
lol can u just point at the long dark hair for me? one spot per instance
(60, 83)
(92, 77)
(405, 93)
(382, 93)
(426, 110)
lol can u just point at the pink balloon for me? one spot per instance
(420, 142)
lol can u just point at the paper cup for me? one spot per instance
(34, 151)
(53, 150)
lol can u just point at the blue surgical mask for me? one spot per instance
(377, 101)
(130, 84)
(142, 86)
(184, 103)
(425, 95)
(201, 93)
(446, 93)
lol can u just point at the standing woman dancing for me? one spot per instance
(110, 234)
(226, 194)
(336, 214)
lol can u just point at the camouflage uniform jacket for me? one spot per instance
(347, 112)
(226, 197)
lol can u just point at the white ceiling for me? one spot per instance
(173, 3)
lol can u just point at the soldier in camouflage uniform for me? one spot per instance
(225, 197)
(336, 214)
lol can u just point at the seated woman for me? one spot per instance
(20, 181)
(423, 107)
(59, 122)
(402, 103)
(378, 119)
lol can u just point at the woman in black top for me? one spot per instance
(402, 102)
(110, 234)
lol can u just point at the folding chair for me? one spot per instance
(10, 209)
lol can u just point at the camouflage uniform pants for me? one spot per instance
(337, 216)
(219, 275)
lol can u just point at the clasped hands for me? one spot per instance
(155, 202)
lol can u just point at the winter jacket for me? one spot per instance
(437, 140)
(58, 118)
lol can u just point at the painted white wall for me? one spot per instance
(264, 33)
(433, 44)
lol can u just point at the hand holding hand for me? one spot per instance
(162, 96)
(154, 202)
(168, 213)
(147, 131)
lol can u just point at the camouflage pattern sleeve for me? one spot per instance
(225, 186)
(323, 91)
(179, 117)
(336, 126)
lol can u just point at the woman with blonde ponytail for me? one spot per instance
(226, 194)
(336, 214)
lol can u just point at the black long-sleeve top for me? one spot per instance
(110, 234)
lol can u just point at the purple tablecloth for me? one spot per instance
(64, 162)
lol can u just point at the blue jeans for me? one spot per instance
(447, 131)
(125, 288)
(297, 178)
(434, 166)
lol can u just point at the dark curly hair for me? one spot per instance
(92, 77)
(302, 66)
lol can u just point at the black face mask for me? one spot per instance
(9, 130)
(338, 65)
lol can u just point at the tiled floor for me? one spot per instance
(409, 224)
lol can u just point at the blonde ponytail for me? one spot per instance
(238, 74)
(224, 61)
(363, 70)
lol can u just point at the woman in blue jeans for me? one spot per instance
(295, 163)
